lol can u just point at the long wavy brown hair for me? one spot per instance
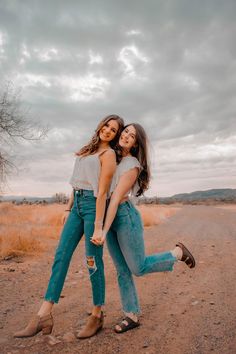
(140, 151)
(92, 146)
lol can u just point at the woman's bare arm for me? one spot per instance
(125, 183)
(68, 208)
(108, 167)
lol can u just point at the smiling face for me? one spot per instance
(108, 132)
(128, 138)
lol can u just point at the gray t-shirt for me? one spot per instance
(127, 163)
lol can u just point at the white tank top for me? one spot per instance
(86, 172)
(127, 163)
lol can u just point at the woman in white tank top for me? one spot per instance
(125, 237)
(94, 167)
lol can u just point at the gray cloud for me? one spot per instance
(168, 65)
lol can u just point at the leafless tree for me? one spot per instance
(60, 198)
(15, 126)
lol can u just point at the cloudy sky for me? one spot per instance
(169, 65)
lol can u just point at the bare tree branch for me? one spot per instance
(14, 127)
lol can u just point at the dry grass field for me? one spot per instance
(24, 228)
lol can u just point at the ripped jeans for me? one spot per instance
(80, 221)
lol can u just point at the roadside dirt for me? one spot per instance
(183, 312)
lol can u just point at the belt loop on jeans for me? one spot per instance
(79, 191)
(127, 203)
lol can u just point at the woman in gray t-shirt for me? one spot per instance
(124, 229)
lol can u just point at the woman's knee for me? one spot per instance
(123, 272)
(94, 264)
(136, 270)
(127, 270)
(91, 264)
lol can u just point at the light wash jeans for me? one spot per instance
(80, 221)
(126, 246)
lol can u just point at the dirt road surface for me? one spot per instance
(183, 312)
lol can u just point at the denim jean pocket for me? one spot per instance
(122, 211)
(136, 219)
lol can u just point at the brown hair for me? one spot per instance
(140, 151)
(93, 144)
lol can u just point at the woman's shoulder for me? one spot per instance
(129, 162)
(130, 159)
(109, 153)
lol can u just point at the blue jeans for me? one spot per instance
(126, 246)
(80, 221)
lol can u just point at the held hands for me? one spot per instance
(98, 237)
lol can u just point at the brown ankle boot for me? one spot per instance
(36, 325)
(93, 325)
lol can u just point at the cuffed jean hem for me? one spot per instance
(135, 311)
(49, 299)
(162, 267)
(100, 304)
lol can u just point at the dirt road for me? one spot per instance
(183, 312)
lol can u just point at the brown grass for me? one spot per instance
(24, 229)
(155, 214)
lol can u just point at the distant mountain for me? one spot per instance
(214, 195)
(227, 195)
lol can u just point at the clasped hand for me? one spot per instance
(98, 238)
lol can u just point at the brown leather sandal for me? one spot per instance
(187, 256)
(126, 324)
